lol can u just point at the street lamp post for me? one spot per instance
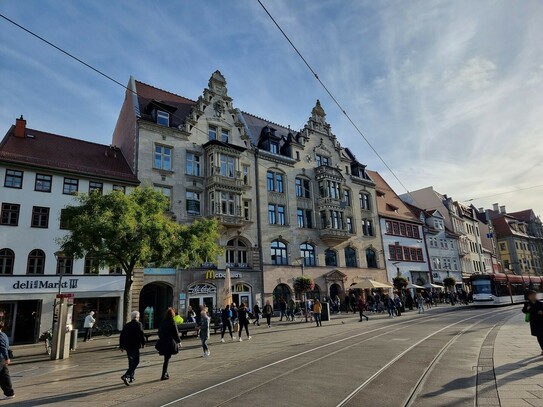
(304, 296)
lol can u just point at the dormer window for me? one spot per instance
(163, 118)
(224, 135)
(212, 132)
(274, 147)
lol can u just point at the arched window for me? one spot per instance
(279, 252)
(236, 253)
(350, 257)
(307, 251)
(7, 258)
(371, 259)
(281, 292)
(36, 262)
(330, 257)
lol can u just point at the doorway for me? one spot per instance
(158, 297)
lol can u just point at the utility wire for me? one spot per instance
(503, 193)
(333, 97)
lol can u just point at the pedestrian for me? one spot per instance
(390, 307)
(361, 308)
(178, 319)
(243, 321)
(420, 304)
(291, 310)
(398, 305)
(267, 311)
(256, 311)
(347, 302)
(132, 340)
(337, 303)
(234, 310)
(352, 303)
(203, 332)
(226, 319)
(5, 378)
(88, 324)
(317, 310)
(533, 309)
(168, 341)
(191, 315)
(282, 309)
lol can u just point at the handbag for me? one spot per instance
(527, 317)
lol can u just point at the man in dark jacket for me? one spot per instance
(5, 379)
(131, 340)
(534, 308)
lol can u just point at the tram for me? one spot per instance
(502, 289)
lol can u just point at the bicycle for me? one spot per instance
(105, 329)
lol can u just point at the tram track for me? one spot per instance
(391, 327)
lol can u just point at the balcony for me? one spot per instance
(332, 237)
(236, 183)
(325, 171)
(230, 220)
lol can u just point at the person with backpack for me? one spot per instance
(267, 311)
(132, 340)
(243, 321)
(5, 378)
(226, 319)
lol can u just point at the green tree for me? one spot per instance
(134, 230)
(303, 284)
(399, 282)
(449, 282)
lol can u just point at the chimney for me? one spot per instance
(495, 207)
(20, 127)
(481, 210)
(502, 209)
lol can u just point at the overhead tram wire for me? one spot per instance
(502, 193)
(103, 74)
(334, 98)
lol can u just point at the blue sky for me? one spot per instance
(450, 93)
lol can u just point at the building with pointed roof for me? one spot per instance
(288, 201)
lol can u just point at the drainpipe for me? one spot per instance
(259, 227)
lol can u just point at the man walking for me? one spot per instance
(131, 340)
(5, 379)
(88, 324)
(283, 308)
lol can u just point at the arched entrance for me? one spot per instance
(335, 290)
(281, 291)
(155, 299)
(242, 293)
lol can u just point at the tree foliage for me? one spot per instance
(449, 282)
(399, 282)
(134, 230)
(303, 284)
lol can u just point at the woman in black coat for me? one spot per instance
(534, 308)
(168, 341)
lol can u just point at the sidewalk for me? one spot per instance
(518, 365)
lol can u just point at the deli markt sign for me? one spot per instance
(73, 283)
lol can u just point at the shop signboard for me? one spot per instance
(50, 284)
(203, 288)
(217, 275)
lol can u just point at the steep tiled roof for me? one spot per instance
(502, 226)
(256, 124)
(390, 200)
(147, 94)
(525, 215)
(54, 152)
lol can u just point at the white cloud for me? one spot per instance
(477, 73)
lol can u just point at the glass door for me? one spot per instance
(7, 313)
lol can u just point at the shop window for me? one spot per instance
(7, 258)
(36, 262)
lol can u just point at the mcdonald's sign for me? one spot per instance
(214, 275)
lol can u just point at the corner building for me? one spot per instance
(282, 198)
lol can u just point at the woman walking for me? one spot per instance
(168, 341)
(533, 308)
(267, 312)
(226, 319)
(243, 321)
(203, 333)
(317, 310)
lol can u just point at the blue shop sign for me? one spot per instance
(159, 271)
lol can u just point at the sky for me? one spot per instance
(450, 93)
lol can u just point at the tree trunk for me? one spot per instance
(127, 297)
